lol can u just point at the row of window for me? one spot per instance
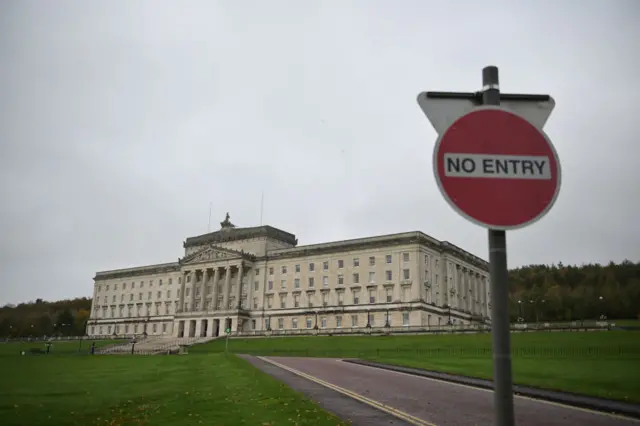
(132, 285)
(355, 279)
(340, 263)
(355, 321)
(125, 329)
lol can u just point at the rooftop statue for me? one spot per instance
(227, 223)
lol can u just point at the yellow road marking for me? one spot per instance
(383, 407)
(543, 401)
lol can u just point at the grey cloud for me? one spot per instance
(119, 124)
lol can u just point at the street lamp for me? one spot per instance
(387, 323)
(535, 302)
(520, 307)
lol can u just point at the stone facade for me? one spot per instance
(254, 280)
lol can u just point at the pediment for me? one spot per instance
(211, 254)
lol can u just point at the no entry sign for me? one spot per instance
(497, 169)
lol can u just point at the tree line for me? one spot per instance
(575, 293)
(537, 293)
(41, 318)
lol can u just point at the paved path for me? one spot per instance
(432, 402)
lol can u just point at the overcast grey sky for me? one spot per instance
(121, 121)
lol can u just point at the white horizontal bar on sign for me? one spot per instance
(497, 166)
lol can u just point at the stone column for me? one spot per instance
(194, 277)
(214, 297)
(182, 289)
(203, 294)
(226, 288)
(239, 285)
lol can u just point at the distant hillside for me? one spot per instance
(559, 292)
(547, 293)
(63, 317)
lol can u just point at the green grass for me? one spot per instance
(57, 347)
(603, 364)
(137, 390)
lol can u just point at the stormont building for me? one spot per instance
(257, 280)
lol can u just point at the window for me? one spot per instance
(283, 302)
(269, 301)
(405, 318)
(340, 264)
(296, 283)
(256, 285)
(270, 285)
(296, 300)
(150, 283)
(323, 322)
(324, 299)
(371, 320)
(284, 269)
(122, 298)
(389, 296)
(338, 321)
(267, 324)
(124, 286)
(325, 266)
(372, 261)
(356, 262)
(280, 323)
(170, 282)
(389, 275)
(308, 322)
(115, 287)
(405, 257)
(389, 259)
(271, 270)
(354, 320)
(155, 327)
(160, 282)
(340, 279)
(294, 323)
(113, 299)
(312, 267)
(159, 295)
(164, 328)
(283, 284)
(340, 298)
(372, 277)
(297, 270)
(372, 296)
(257, 271)
(311, 282)
(255, 303)
(356, 278)
(325, 281)
(188, 290)
(406, 274)
(356, 297)
(168, 294)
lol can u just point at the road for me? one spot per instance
(432, 402)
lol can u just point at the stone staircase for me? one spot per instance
(153, 345)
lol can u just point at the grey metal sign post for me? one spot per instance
(447, 111)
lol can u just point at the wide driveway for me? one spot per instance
(437, 402)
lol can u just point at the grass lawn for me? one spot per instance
(57, 347)
(604, 364)
(139, 390)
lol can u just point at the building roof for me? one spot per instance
(227, 234)
(233, 234)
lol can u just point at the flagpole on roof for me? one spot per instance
(261, 207)
(209, 225)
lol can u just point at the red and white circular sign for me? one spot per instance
(496, 169)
